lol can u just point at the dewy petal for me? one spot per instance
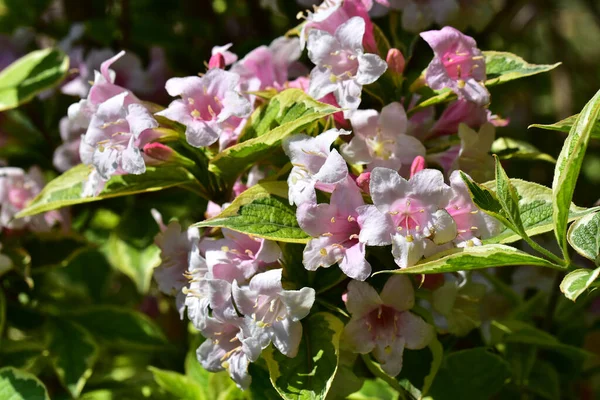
(416, 332)
(358, 337)
(376, 227)
(362, 299)
(298, 302)
(334, 170)
(350, 34)
(443, 228)
(132, 161)
(386, 186)
(139, 119)
(406, 252)
(354, 263)
(370, 68)
(267, 282)
(286, 337)
(398, 292)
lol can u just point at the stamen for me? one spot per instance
(327, 234)
(323, 252)
(351, 218)
(333, 220)
(353, 236)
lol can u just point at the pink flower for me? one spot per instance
(275, 311)
(458, 64)
(342, 67)
(332, 13)
(408, 214)
(228, 57)
(335, 230)
(460, 111)
(382, 324)
(380, 139)
(17, 190)
(115, 135)
(209, 106)
(238, 257)
(472, 225)
(313, 162)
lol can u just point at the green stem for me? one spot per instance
(561, 263)
(332, 307)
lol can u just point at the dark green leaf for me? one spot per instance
(20, 385)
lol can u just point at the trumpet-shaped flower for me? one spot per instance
(458, 64)
(275, 311)
(472, 225)
(115, 135)
(313, 162)
(380, 139)
(232, 342)
(382, 323)
(209, 106)
(342, 68)
(335, 230)
(408, 214)
(238, 257)
(330, 14)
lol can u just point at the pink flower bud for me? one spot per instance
(158, 153)
(395, 61)
(417, 165)
(217, 61)
(363, 181)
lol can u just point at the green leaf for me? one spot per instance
(437, 352)
(2, 314)
(508, 198)
(261, 211)
(178, 385)
(20, 385)
(470, 374)
(375, 389)
(66, 190)
(138, 264)
(578, 281)
(568, 167)
(289, 112)
(544, 380)
(566, 124)
(471, 258)
(308, 375)
(535, 208)
(73, 352)
(501, 67)
(31, 74)
(584, 237)
(507, 148)
(120, 327)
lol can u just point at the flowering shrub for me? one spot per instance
(334, 221)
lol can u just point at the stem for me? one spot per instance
(562, 264)
(378, 372)
(552, 301)
(332, 307)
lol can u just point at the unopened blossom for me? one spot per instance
(457, 64)
(382, 324)
(209, 106)
(268, 66)
(395, 61)
(17, 189)
(460, 111)
(342, 67)
(330, 14)
(408, 214)
(380, 139)
(228, 56)
(178, 253)
(472, 225)
(419, 14)
(238, 257)
(313, 162)
(66, 156)
(115, 135)
(232, 343)
(274, 310)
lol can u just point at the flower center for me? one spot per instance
(268, 311)
(204, 107)
(460, 64)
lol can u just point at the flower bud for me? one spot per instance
(217, 61)
(395, 61)
(363, 181)
(417, 165)
(158, 154)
